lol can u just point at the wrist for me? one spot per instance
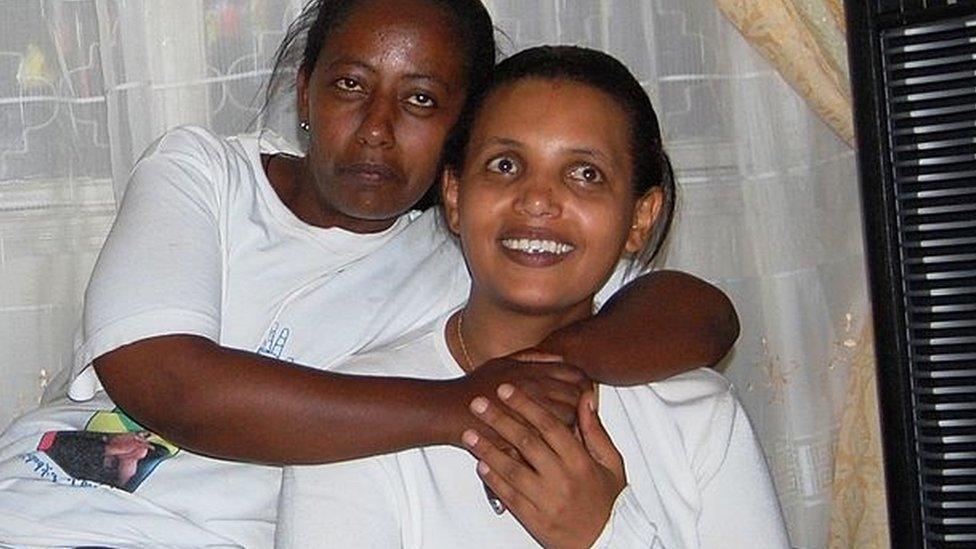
(566, 342)
(601, 538)
(450, 412)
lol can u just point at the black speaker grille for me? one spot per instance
(911, 7)
(930, 81)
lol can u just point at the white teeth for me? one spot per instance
(536, 246)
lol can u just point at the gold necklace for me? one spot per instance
(496, 504)
(469, 364)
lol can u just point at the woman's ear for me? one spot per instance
(646, 210)
(449, 190)
(301, 92)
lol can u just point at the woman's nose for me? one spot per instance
(376, 128)
(537, 198)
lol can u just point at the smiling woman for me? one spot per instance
(549, 184)
(548, 187)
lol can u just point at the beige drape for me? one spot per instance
(805, 41)
(858, 515)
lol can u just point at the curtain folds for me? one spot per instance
(804, 40)
(858, 515)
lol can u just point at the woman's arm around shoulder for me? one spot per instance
(661, 324)
(235, 404)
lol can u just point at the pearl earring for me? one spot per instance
(304, 126)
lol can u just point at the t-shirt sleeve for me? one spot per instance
(160, 270)
(739, 504)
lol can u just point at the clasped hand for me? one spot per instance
(564, 488)
(554, 385)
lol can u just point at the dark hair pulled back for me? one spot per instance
(652, 167)
(309, 33)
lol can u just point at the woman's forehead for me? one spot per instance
(575, 111)
(414, 34)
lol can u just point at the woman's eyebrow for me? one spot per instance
(428, 78)
(583, 151)
(352, 62)
(369, 68)
(586, 151)
(505, 141)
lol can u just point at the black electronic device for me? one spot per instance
(913, 75)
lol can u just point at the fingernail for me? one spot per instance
(505, 391)
(470, 438)
(483, 468)
(591, 402)
(479, 405)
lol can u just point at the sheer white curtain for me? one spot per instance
(768, 207)
(85, 86)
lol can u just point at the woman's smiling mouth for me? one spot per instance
(534, 246)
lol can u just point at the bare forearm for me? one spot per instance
(662, 324)
(237, 405)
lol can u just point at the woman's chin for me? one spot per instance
(543, 303)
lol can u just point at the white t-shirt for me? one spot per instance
(696, 474)
(202, 245)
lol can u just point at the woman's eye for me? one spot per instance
(348, 84)
(503, 165)
(586, 173)
(423, 100)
